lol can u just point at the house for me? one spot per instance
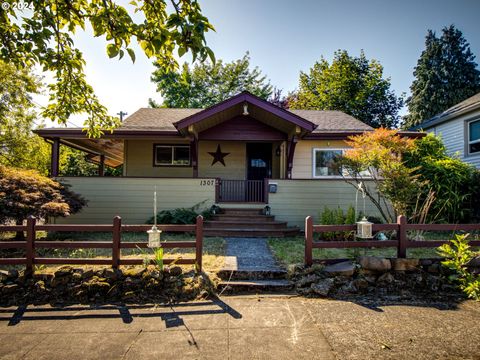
(459, 127)
(243, 153)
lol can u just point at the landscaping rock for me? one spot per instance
(360, 283)
(434, 268)
(386, 279)
(62, 280)
(3, 275)
(63, 271)
(374, 263)
(175, 271)
(405, 264)
(12, 274)
(307, 280)
(323, 287)
(10, 289)
(88, 274)
(346, 268)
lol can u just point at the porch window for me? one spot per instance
(171, 155)
(325, 162)
(474, 137)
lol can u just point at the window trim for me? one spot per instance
(154, 162)
(469, 153)
(314, 150)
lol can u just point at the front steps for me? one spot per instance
(247, 223)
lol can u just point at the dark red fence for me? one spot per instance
(31, 243)
(402, 243)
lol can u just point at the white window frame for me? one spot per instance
(156, 163)
(344, 172)
(468, 138)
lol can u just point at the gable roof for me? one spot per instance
(165, 118)
(472, 103)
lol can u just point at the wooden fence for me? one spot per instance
(402, 243)
(31, 243)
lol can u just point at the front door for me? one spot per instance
(259, 161)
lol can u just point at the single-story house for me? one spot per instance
(459, 127)
(243, 152)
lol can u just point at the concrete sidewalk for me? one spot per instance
(239, 328)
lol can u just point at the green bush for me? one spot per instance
(455, 183)
(338, 217)
(182, 216)
(457, 255)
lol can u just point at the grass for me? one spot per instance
(213, 247)
(292, 251)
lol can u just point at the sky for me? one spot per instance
(285, 37)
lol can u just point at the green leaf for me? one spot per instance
(112, 50)
(132, 54)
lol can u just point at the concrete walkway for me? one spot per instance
(239, 328)
(249, 254)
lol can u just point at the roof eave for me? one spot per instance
(440, 120)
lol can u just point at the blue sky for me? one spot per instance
(285, 37)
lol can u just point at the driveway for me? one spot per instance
(251, 327)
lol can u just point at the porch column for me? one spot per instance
(194, 155)
(291, 153)
(101, 166)
(55, 157)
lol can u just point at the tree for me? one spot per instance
(445, 75)
(209, 83)
(25, 192)
(350, 84)
(378, 156)
(19, 147)
(43, 36)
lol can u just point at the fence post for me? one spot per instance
(199, 243)
(402, 237)
(308, 240)
(117, 234)
(30, 248)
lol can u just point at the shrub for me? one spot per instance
(26, 192)
(454, 183)
(338, 217)
(458, 255)
(182, 216)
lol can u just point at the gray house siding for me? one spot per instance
(454, 135)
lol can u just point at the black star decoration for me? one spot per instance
(218, 156)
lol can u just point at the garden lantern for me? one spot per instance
(154, 233)
(266, 210)
(364, 229)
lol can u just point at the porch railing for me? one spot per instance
(250, 191)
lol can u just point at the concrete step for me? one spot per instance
(243, 217)
(252, 274)
(248, 224)
(236, 286)
(250, 232)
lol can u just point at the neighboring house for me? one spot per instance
(459, 128)
(242, 152)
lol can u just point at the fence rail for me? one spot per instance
(402, 243)
(30, 244)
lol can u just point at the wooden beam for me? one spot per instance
(194, 156)
(291, 152)
(101, 166)
(55, 157)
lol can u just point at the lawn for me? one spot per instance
(292, 250)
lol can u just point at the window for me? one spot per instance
(474, 137)
(171, 155)
(325, 162)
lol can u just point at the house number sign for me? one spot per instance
(207, 182)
